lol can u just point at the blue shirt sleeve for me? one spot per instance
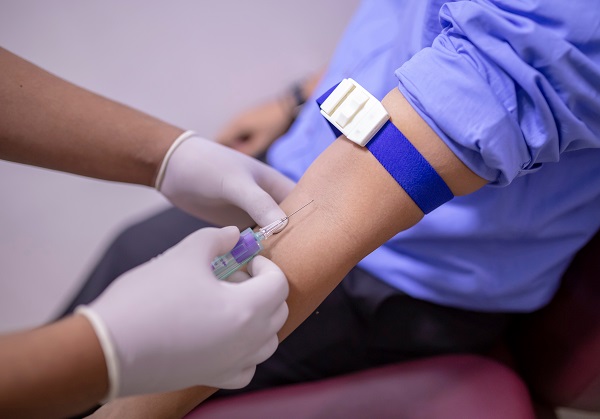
(510, 85)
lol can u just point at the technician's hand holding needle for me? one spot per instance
(220, 184)
(169, 323)
(248, 246)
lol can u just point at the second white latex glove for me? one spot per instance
(221, 185)
(171, 324)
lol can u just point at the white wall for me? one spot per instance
(192, 63)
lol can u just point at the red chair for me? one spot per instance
(557, 349)
(554, 356)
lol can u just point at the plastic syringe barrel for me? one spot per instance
(245, 249)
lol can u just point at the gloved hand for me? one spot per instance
(219, 184)
(171, 324)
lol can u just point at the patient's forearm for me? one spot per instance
(348, 220)
(358, 206)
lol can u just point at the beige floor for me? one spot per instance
(193, 63)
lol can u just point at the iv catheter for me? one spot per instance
(247, 247)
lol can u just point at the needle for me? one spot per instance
(301, 208)
(277, 226)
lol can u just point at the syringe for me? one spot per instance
(247, 247)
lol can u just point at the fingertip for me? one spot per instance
(281, 315)
(237, 277)
(257, 202)
(241, 380)
(230, 235)
(267, 274)
(231, 230)
(268, 349)
(260, 265)
(272, 214)
(211, 242)
(282, 226)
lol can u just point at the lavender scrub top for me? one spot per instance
(512, 87)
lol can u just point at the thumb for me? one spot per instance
(240, 380)
(209, 243)
(257, 203)
(269, 286)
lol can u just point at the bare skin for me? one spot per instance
(255, 129)
(49, 122)
(53, 371)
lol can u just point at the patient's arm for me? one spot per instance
(358, 206)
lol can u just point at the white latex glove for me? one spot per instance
(171, 324)
(221, 185)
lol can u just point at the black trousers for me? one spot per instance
(362, 323)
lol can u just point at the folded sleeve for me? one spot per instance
(510, 85)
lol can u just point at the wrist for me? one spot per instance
(293, 100)
(160, 147)
(52, 371)
(107, 348)
(298, 94)
(162, 167)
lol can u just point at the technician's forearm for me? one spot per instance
(48, 122)
(54, 371)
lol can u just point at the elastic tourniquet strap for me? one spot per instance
(406, 165)
(409, 168)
